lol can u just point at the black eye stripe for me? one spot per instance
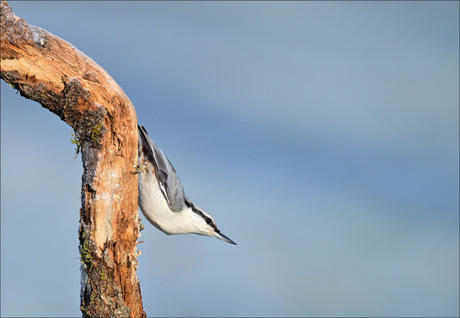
(207, 219)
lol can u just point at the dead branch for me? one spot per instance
(47, 69)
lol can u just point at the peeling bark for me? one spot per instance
(47, 69)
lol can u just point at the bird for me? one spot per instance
(162, 199)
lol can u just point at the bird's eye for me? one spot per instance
(208, 220)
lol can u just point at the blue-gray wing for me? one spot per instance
(165, 173)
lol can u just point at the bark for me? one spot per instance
(47, 69)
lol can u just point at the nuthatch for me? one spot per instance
(161, 196)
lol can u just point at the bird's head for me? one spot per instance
(205, 224)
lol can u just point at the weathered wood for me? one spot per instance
(47, 69)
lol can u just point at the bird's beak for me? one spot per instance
(222, 237)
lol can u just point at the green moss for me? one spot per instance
(77, 141)
(15, 86)
(84, 309)
(85, 252)
(92, 298)
(102, 273)
(95, 130)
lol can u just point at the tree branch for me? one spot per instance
(65, 81)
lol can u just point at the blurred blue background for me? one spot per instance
(322, 136)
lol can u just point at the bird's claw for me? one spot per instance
(138, 168)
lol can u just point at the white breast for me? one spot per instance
(156, 209)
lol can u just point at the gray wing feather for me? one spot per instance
(165, 173)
